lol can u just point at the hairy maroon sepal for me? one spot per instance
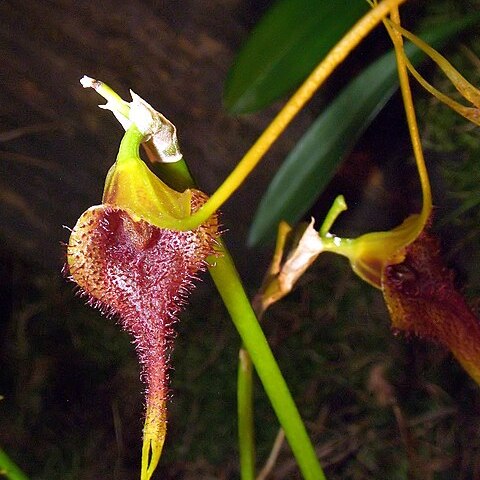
(143, 275)
(422, 299)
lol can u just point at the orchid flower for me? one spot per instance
(138, 253)
(129, 264)
(404, 263)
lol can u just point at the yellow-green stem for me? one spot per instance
(411, 120)
(334, 58)
(321, 73)
(464, 87)
(246, 430)
(231, 290)
(229, 285)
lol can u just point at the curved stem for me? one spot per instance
(411, 119)
(245, 371)
(472, 114)
(335, 210)
(229, 285)
(272, 458)
(253, 156)
(336, 56)
(130, 145)
(464, 87)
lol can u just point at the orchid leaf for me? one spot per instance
(310, 166)
(284, 47)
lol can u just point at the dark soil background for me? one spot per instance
(70, 395)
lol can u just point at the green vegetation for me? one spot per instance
(375, 405)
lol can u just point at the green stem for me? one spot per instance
(130, 145)
(336, 209)
(318, 76)
(9, 469)
(278, 125)
(298, 100)
(246, 431)
(231, 290)
(411, 120)
(245, 370)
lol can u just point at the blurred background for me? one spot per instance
(376, 405)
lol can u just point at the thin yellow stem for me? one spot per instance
(335, 57)
(470, 92)
(339, 205)
(466, 89)
(470, 113)
(411, 119)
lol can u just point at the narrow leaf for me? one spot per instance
(308, 169)
(284, 47)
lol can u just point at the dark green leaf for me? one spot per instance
(284, 47)
(310, 166)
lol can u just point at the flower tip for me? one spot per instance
(88, 82)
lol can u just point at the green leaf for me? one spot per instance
(284, 47)
(312, 163)
(10, 469)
